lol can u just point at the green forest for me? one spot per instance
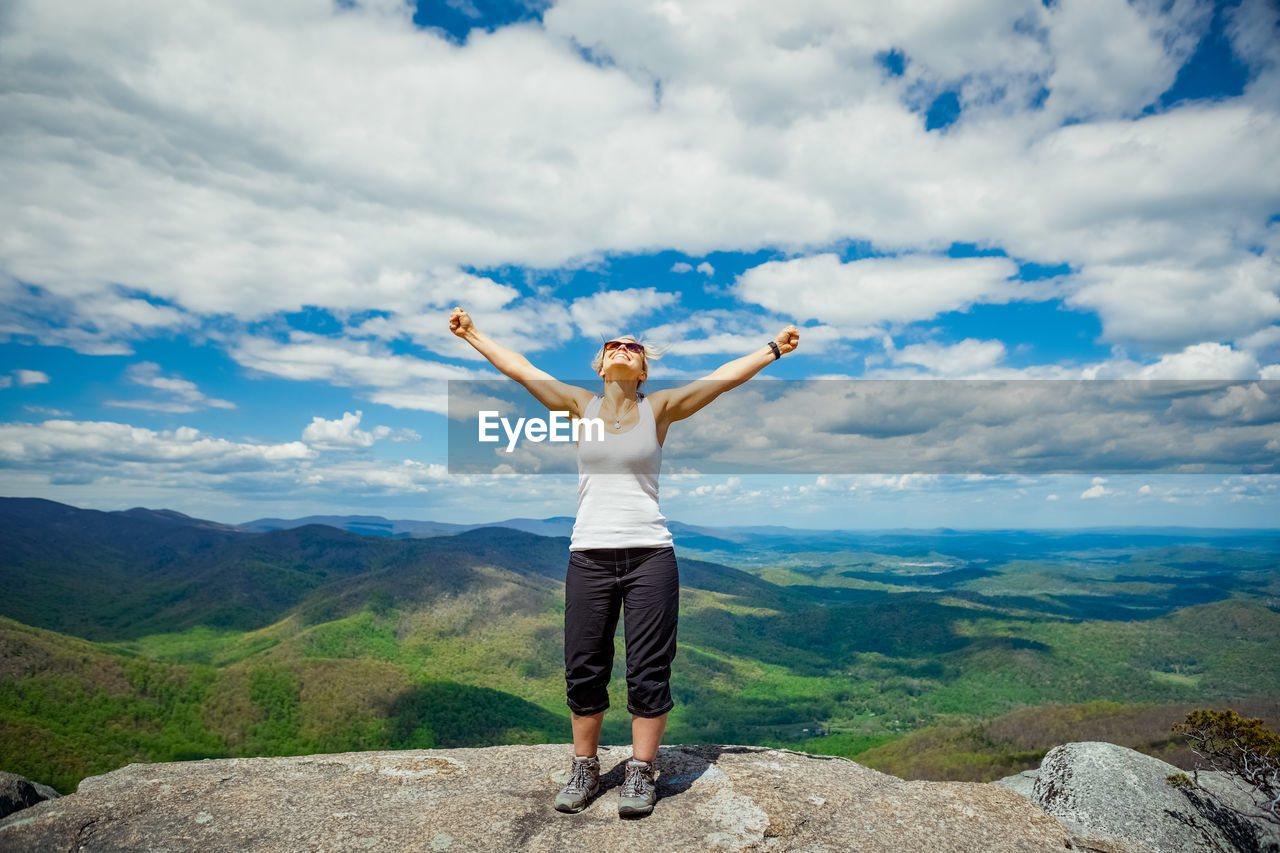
(132, 638)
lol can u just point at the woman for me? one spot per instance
(620, 555)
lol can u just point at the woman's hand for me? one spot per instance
(460, 322)
(787, 340)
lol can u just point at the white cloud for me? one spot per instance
(180, 464)
(1203, 361)
(1119, 68)
(398, 380)
(1096, 491)
(423, 400)
(202, 145)
(177, 395)
(24, 378)
(1169, 304)
(681, 267)
(31, 377)
(100, 323)
(715, 337)
(343, 361)
(968, 358)
(95, 447)
(47, 412)
(408, 476)
(706, 268)
(609, 312)
(1251, 28)
(877, 290)
(345, 433)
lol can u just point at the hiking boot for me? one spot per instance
(639, 791)
(584, 783)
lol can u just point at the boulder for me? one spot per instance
(1023, 783)
(1117, 800)
(17, 793)
(721, 798)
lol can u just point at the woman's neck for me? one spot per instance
(618, 392)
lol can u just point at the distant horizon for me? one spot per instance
(735, 527)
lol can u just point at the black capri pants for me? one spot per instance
(644, 583)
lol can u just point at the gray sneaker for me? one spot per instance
(639, 791)
(584, 783)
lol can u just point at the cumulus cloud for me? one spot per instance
(1167, 304)
(184, 461)
(705, 268)
(1203, 361)
(345, 433)
(1098, 489)
(174, 394)
(1118, 69)
(99, 446)
(201, 143)
(968, 358)
(877, 290)
(610, 311)
(402, 381)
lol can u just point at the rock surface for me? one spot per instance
(499, 799)
(1023, 783)
(1116, 800)
(17, 793)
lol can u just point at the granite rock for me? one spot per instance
(499, 799)
(1023, 783)
(17, 793)
(1116, 800)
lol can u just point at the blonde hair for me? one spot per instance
(651, 351)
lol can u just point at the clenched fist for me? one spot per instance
(788, 339)
(460, 322)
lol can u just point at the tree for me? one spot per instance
(1246, 750)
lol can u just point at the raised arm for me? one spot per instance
(557, 396)
(676, 404)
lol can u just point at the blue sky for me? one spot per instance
(232, 235)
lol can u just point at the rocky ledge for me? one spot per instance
(499, 799)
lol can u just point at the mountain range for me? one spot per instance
(150, 635)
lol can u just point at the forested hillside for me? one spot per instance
(144, 636)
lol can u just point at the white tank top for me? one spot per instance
(618, 487)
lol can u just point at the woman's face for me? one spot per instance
(623, 359)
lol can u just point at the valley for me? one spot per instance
(150, 636)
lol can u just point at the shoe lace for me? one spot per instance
(637, 781)
(580, 778)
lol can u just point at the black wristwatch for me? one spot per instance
(777, 353)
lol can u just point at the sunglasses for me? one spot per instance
(629, 346)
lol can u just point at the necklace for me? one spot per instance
(617, 421)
